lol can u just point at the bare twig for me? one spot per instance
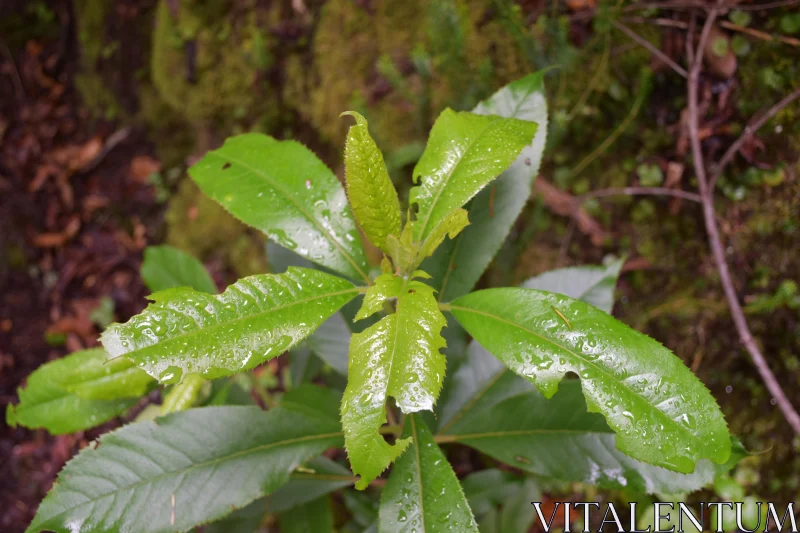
(715, 242)
(758, 34)
(642, 191)
(749, 130)
(651, 47)
(770, 5)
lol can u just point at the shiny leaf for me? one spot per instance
(475, 373)
(458, 264)
(591, 284)
(255, 319)
(464, 152)
(661, 412)
(282, 189)
(559, 439)
(369, 188)
(165, 267)
(78, 392)
(162, 469)
(312, 517)
(451, 226)
(479, 375)
(184, 395)
(399, 357)
(423, 494)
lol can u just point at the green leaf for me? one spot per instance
(248, 519)
(399, 357)
(372, 195)
(282, 189)
(464, 152)
(318, 477)
(162, 469)
(478, 377)
(474, 373)
(77, 392)
(591, 284)
(488, 488)
(458, 264)
(559, 439)
(184, 395)
(518, 513)
(255, 319)
(165, 267)
(331, 342)
(423, 493)
(451, 226)
(311, 517)
(661, 412)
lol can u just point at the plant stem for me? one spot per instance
(715, 241)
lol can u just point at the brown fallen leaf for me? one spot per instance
(564, 204)
(142, 167)
(56, 239)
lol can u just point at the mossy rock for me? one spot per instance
(352, 48)
(222, 84)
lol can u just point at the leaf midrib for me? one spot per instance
(601, 369)
(300, 208)
(202, 330)
(419, 472)
(453, 171)
(133, 486)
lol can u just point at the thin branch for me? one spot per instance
(651, 47)
(642, 191)
(751, 128)
(715, 242)
(758, 34)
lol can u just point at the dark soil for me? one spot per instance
(75, 213)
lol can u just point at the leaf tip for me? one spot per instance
(360, 120)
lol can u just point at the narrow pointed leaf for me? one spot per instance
(591, 284)
(458, 264)
(450, 226)
(398, 356)
(257, 318)
(282, 189)
(559, 439)
(78, 392)
(423, 494)
(372, 195)
(312, 517)
(165, 267)
(140, 470)
(464, 152)
(661, 412)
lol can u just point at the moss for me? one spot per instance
(400, 75)
(225, 73)
(97, 93)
